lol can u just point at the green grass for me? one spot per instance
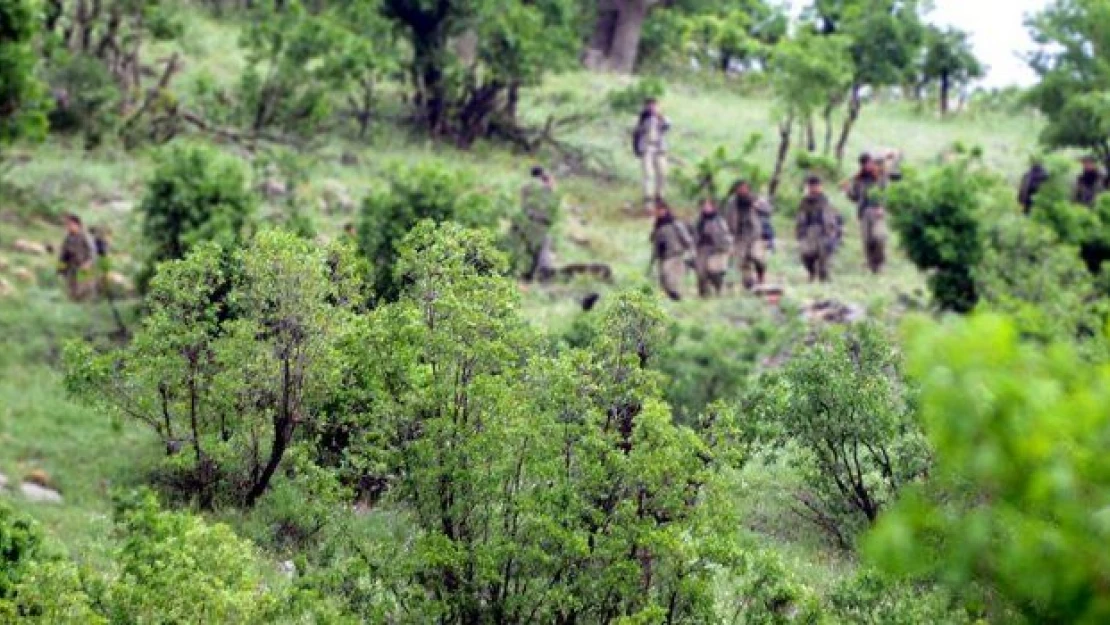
(87, 453)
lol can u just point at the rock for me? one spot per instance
(348, 159)
(287, 568)
(40, 477)
(24, 275)
(829, 311)
(3, 264)
(23, 246)
(3, 481)
(120, 206)
(273, 188)
(118, 282)
(336, 197)
(6, 288)
(39, 494)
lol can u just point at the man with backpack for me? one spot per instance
(649, 142)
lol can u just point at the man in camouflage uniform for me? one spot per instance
(816, 229)
(649, 141)
(746, 224)
(670, 241)
(1031, 183)
(531, 228)
(714, 246)
(864, 190)
(77, 259)
(1090, 184)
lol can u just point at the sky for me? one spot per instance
(997, 30)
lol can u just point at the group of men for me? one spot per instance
(1089, 185)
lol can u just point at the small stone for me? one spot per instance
(24, 275)
(39, 494)
(23, 246)
(118, 282)
(273, 188)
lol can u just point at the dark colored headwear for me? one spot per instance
(73, 218)
(864, 158)
(739, 183)
(813, 180)
(537, 171)
(648, 101)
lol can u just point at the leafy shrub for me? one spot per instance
(844, 407)
(766, 593)
(196, 194)
(631, 99)
(87, 98)
(233, 359)
(425, 191)
(938, 222)
(1017, 500)
(868, 597)
(22, 97)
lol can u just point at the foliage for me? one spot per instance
(91, 94)
(425, 191)
(736, 35)
(707, 177)
(1074, 84)
(630, 100)
(768, 594)
(938, 222)
(232, 360)
(843, 406)
(949, 61)
(810, 71)
(1019, 490)
(868, 597)
(542, 487)
(1028, 273)
(22, 97)
(196, 194)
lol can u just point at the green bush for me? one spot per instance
(631, 99)
(938, 219)
(87, 97)
(197, 194)
(22, 96)
(844, 408)
(422, 192)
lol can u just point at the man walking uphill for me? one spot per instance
(670, 241)
(1090, 183)
(649, 141)
(864, 191)
(77, 259)
(746, 224)
(532, 226)
(714, 246)
(816, 228)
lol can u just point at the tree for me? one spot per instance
(949, 61)
(426, 191)
(196, 194)
(808, 74)
(22, 96)
(1074, 87)
(236, 354)
(516, 44)
(732, 35)
(615, 42)
(885, 38)
(1017, 501)
(938, 219)
(845, 408)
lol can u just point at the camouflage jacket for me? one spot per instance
(78, 250)
(670, 239)
(864, 191)
(743, 217)
(651, 132)
(816, 217)
(713, 234)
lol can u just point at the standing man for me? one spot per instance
(1030, 184)
(1090, 184)
(649, 141)
(816, 229)
(714, 246)
(670, 241)
(864, 190)
(747, 227)
(77, 259)
(531, 228)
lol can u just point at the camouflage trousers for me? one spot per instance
(816, 255)
(80, 285)
(873, 231)
(654, 163)
(671, 273)
(751, 259)
(542, 262)
(711, 267)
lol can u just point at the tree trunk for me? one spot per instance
(811, 137)
(626, 35)
(596, 55)
(786, 128)
(284, 422)
(854, 106)
(945, 87)
(828, 128)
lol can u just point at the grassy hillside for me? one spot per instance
(86, 453)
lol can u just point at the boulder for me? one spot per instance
(119, 282)
(39, 494)
(23, 246)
